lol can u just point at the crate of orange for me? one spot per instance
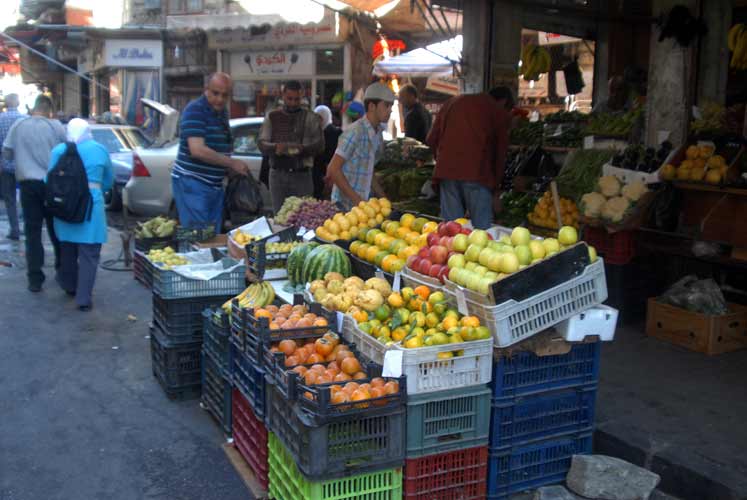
(457, 474)
(361, 442)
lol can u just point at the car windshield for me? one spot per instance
(111, 141)
(135, 138)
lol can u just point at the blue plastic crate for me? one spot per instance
(529, 418)
(216, 392)
(216, 337)
(534, 464)
(525, 373)
(249, 379)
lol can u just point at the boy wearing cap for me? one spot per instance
(359, 148)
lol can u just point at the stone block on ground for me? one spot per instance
(556, 492)
(607, 478)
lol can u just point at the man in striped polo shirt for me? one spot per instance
(205, 147)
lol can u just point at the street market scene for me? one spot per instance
(373, 249)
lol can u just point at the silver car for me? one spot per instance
(148, 192)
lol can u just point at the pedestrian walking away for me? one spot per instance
(360, 147)
(331, 136)
(418, 120)
(8, 167)
(291, 136)
(204, 157)
(469, 140)
(29, 143)
(81, 242)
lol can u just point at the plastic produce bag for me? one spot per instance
(243, 195)
(701, 296)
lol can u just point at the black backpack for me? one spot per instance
(68, 197)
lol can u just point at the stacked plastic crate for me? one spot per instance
(216, 367)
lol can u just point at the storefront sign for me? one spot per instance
(326, 31)
(133, 53)
(281, 62)
(449, 85)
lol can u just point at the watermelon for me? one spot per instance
(324, 259)
(295, 262)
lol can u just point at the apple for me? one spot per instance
(494, 264)
(568, 236)
(424, 253)
(424, 267)
(456, 260)
(466, 231)
(490, 237)
(505, 239)
(460, 242)
(478, 237)
(461, 276)
(453, 228)
(524, 254)
(413, 261)
(446, 241)
(494, 245)
(551, 246)
(538, 250)
(432, 239)
(434, 270)
(473, 281)
(509, 263)
(470, 266)
(520, 236)
(439, 254)
(485, 255)
(453, 273)
(473, 253)
(484, 286)
(481, 270)
(592, 253)
(441, 229)
(443, 274)
(491, 275)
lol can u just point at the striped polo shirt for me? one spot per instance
(200, 120)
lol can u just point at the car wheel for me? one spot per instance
(113, 199)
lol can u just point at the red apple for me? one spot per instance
(441, 229)
(434, 270)
(450, 243)
(443, 241)
(465, 230)
(424, 266)
(432, 239)
(439, 254)
(490, 236)
(453, 228)
(412, 262)
(443, 274)
(424, 253)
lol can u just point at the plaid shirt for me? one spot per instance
(361, 146)
(7, 119)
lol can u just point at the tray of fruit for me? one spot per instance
(240, 237)
(344, 227)
(267, 257)
(617, 205)
(702, 164)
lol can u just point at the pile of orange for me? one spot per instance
(287, 316)
(377, 390)
(331, 360)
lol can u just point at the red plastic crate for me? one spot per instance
(617, 248)
(454, 475)
(250, 437)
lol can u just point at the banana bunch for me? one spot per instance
(535, 60)
(256, 295)
(158, 227)
(738, 46)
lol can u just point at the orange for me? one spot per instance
(350, 365)
(371, 253)
(320, 322)
(412, 237)
(402, 232)
(387, 263)
(287, 347)
(310, 377)
(359, 395)
(391, 387)
(350, 387)
(378, 392)
(323, 379)
(263, 313)
(339, 397)
(406, 220)
(472, 321)
(333, 366)
(301, 370)
(291, 361)
(342, 377)
(323, 347)
(315, 358)
(318, 368)
(360, 316)
(407, 251)
(377, 382)
(332, 338)
(359, 376)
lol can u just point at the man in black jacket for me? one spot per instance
(417, 119)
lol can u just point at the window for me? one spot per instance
(329, 61)
(185, 6)
(134, 138)
(245, 139)
(107, 138)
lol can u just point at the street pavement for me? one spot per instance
(81, 415)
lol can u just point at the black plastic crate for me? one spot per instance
(360, 444)
(216, 337)
(181, 319)
(142, 269)
(145, 245)
(249, 379)
(186, 236)
(256, 252)
(175, 365)
(365, 270)
(216, 392)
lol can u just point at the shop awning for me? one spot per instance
(436, 59)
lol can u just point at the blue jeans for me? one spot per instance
(197, 203)
(458, 197)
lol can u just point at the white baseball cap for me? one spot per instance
(379, 91)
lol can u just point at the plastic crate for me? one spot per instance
(181, 319)
(363, 443)
(447, 421)
(258, 259)
(458, 474)
(142, 269)
(287, 483)
(512, 321)
(617, 248)
(525, 373)
(185, 237)
(425, 372)
(176, 366)
(169, 284)
(216, 392)
(145, 245)
(249, 379)
(599, 321)
(534, 464)
(517, 420)
(250, 437)
(216, 337)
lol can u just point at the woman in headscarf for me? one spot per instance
(331, 135)
(80, 244)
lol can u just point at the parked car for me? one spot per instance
(148, 192)
(120, 141)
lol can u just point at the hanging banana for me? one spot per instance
(738, 46)
(534, 62)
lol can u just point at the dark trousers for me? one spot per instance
(8, 193)
(34, 215)
(78, 270)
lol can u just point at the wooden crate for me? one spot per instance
(698, 332)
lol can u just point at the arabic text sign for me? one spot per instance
(280, 34)
(133, 53)
(281, 62)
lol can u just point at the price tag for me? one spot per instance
(397, 284)
(461, 302)
(301, 231)
(379, 274)
(392, 363)
(309, 235)
(340, 318)
(589, 142)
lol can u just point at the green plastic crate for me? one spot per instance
(443, 421)
(287, 483)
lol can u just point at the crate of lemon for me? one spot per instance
(700, 164)
(544, 214)
(420, 334)
(345, 226)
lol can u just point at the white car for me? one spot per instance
(148, 192)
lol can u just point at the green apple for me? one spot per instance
(453, 273)
(492, 275)
(505, 239)
(538, 250)
(485, 255)
(473, 253)
(481, 270)
(456, 260)
(592, 253)
(494, 245)
(494, 264)
(524, 254)
(473, 281)
(478, 237)
(520, 236)
(509, 263)
(484, 285)
(460, 242)
(534, 261)
(523, 266)
(568, 236)
(551, 246)
(470, 266)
